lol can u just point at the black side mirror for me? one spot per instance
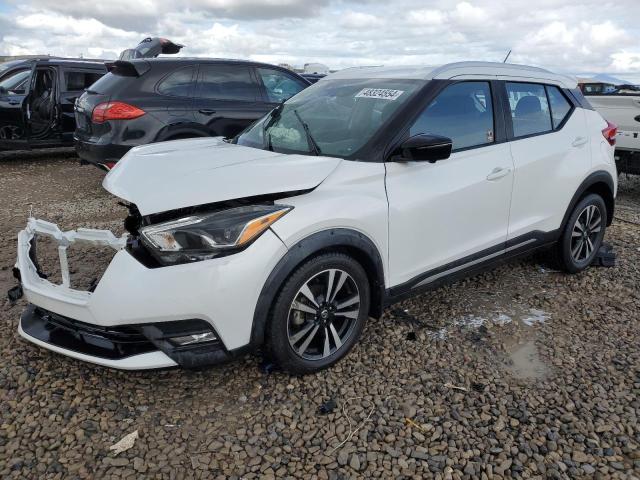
(424, 148)
(3, 91)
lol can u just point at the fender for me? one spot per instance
(351, 242)
(599, 182)
(190, 129)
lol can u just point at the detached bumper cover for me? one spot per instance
(127, 321)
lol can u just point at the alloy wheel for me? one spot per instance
(585, 233)
(323, 314)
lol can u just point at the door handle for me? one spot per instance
(497, 173)
(579, 141)
(207, 111)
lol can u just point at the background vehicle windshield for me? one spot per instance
(341, 116)
(16, 82)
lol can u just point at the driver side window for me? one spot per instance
(463, 112)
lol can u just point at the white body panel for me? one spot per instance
(621, 110)
(353, 197)
(208, 170)
(439, 212)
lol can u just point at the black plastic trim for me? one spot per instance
(599, 177)
(328, 240)
(494, 255)
(123, 341)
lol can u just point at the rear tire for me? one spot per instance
(319, 314)
(582, 235)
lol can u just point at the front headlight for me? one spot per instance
(207, 235)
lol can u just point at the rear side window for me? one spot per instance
(463, 112)
(78, 81)
(279, 85)
(560, 106)
(178, 83)
(226, 82)
(529, 109)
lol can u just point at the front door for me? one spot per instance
(14, 88)
(452, 214)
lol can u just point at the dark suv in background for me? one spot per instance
(142, 101)
(37, 96)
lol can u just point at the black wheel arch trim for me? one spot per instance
(337, 239)
(169, 131)
(593, 180)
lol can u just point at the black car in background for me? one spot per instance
(149, 100)
(37, 97)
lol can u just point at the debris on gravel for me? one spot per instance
(547, 365)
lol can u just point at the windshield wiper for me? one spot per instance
(273, 117)
(312, 142)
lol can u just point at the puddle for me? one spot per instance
(535, 317)
(526, 362)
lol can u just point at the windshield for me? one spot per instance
(16, 82)
(332, 117)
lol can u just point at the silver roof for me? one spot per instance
(458, 70)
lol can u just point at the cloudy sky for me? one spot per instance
(572, 36)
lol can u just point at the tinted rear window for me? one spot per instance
(108, 82)
(226, 82)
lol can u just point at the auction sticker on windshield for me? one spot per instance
(383, 93)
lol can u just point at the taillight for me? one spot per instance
(115, 111)
(610, 132)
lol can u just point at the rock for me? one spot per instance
(580, 457)
(355, 462)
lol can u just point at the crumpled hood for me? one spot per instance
(185, 173)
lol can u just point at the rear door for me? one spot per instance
(550, 149)
(73, 82)
(14, 88)
(227, 98)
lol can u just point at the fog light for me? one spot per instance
(193, 339)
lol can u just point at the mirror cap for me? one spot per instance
(426, 148)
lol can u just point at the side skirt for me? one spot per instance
(472, 265)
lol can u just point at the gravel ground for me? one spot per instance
(521, 372)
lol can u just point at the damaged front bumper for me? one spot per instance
(132, 318)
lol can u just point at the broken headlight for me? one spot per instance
(207, 235)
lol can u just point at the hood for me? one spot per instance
(186, 173)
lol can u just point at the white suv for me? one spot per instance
(373, 184)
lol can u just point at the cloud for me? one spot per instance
(570, 35)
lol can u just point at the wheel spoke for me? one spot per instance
(350, 314)
(589, 247)
(302, 307)
(590, 209)
(348, 302)
(595, 222)
(305, 345)
(576, 250)
(336, 337)
(576, 234)
(327, 348)
(332, 274)
(341, 279)
(294, 339)
(306, 291)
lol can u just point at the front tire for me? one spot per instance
(319, 314)
(583, 234)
